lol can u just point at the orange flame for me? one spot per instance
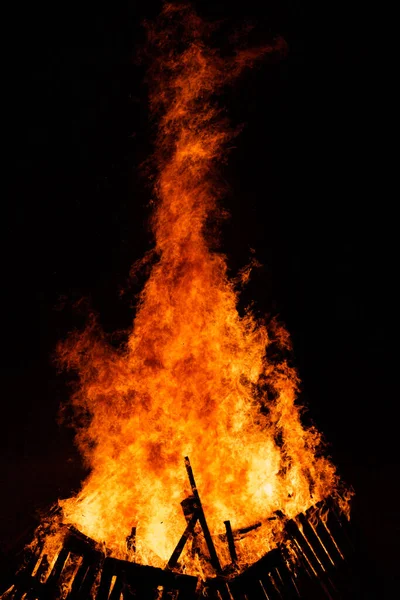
(194, 378)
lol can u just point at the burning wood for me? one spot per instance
(307, 563)
(231, 541)
(194, 378)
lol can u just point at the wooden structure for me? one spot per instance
(309, 564)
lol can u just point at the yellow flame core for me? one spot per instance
(191, 379)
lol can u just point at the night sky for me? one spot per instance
(307, 190)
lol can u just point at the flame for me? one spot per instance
(194, 378)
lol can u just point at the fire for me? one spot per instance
(194, 377)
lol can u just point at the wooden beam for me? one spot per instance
(231, 542)
(210, 545)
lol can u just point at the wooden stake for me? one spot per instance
(231, 542)
(181, 544)
(210, 545)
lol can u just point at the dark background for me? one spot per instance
(308, 190)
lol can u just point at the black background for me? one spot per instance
(308, 190)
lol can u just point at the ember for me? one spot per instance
(266, 514)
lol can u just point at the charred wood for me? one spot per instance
(181, 544)
(210, 544)
(231, 543)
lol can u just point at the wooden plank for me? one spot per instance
(117, 589)
(236, 590)
(286, 576)
(23, 581)
(210, 545)
(181, 544)
(88, 581)
(319, 550)
(231, 542)
(78, 580)
(332, 547)
(78, 542)
(105, 581)
(305, 550)
(57, 568)
(339, 529)
(270, 587)
(294, 532)
(216, 588)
